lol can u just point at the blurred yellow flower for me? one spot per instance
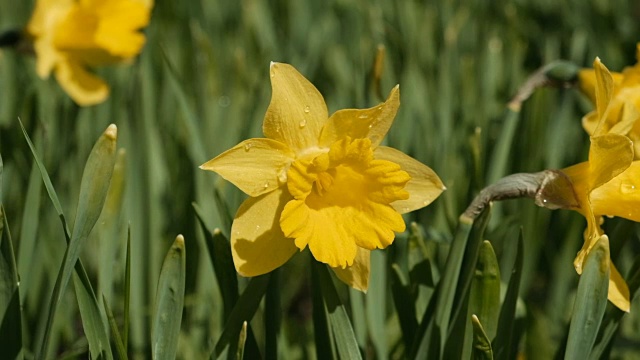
(322, 182)
(625, 103)
(71, 36)
(609, 183)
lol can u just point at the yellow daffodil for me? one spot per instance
(609, 183)
(624, 106)
(322, 182)
(71, 36)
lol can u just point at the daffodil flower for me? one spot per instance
(320, 182)
(609, 183)
(71, 36)
(624, 105)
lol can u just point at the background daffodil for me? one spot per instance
(322, 182)
(609, 183)
(69, 37)
(624, 104)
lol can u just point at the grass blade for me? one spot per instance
(244, 310)
(485, 290)
(115, 333)
(10, 309)
(169, 302)
(220, 255)
(325, 346)
(481, 343)
(92, 321)
(242, 339)
(446, 301)
(612, 317)
(93, 191)
(345, 338)
(404, 305)
(273, 316)
(591, 301)
(127, 293)
(502, 344)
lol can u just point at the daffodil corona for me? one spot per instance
(320, 182)
(71, 36)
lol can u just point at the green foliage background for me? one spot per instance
(201, 85)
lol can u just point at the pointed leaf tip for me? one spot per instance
(112, 132)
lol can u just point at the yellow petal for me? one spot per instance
(609, 156)
(356, 275)
(372, 123)
(258, 245)
(297, 111)
(120, 21)
(424, 186)
(623, 123)
(82, 86)
(604, 92)
(618, 290)
(620, 196)
(255, 166)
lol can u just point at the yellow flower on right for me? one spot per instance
(608, 184)
(624, 106)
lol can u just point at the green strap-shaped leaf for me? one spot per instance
(345, 338)
(127, 293)
(272, 314)
(167, 315)
(481, 349)
(10, 309)
(325, 346)
(502, 344)
(93, 191)
(92, 321)
(485, 290)
(222, 261)
(455, 271)
(242, 339)
(244, 310)
(613, 315)
(404, 305)
(591, 301)
(115, 333)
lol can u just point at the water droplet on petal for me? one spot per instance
(627, 188)
(302, 123)
(370, 126)
(266, 185)
(257, 227)
(247, 147)
(282, 176)
(307, 109)
(363, 116)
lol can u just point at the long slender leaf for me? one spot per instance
(222, 261)
(127, 293)
(452, 272)
(167, 316)
(503, 343)
(481, 343)
(485, 290)
(115, 333)
(92, 321)
(591, 301)
(324, 341)
(10, 309)
(93, 190)
(273, 313)
(244, 310)
(345, 338)
(404, 305)
(613, 315)
(242, 339)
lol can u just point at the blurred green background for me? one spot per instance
(201, 85)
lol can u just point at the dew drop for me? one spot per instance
(307, 109)
(370, 126)
(282, 176)
(257, 227)
(302, 123)
(266, 185)
(627, 188)
(363, 116)
(247, 147)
